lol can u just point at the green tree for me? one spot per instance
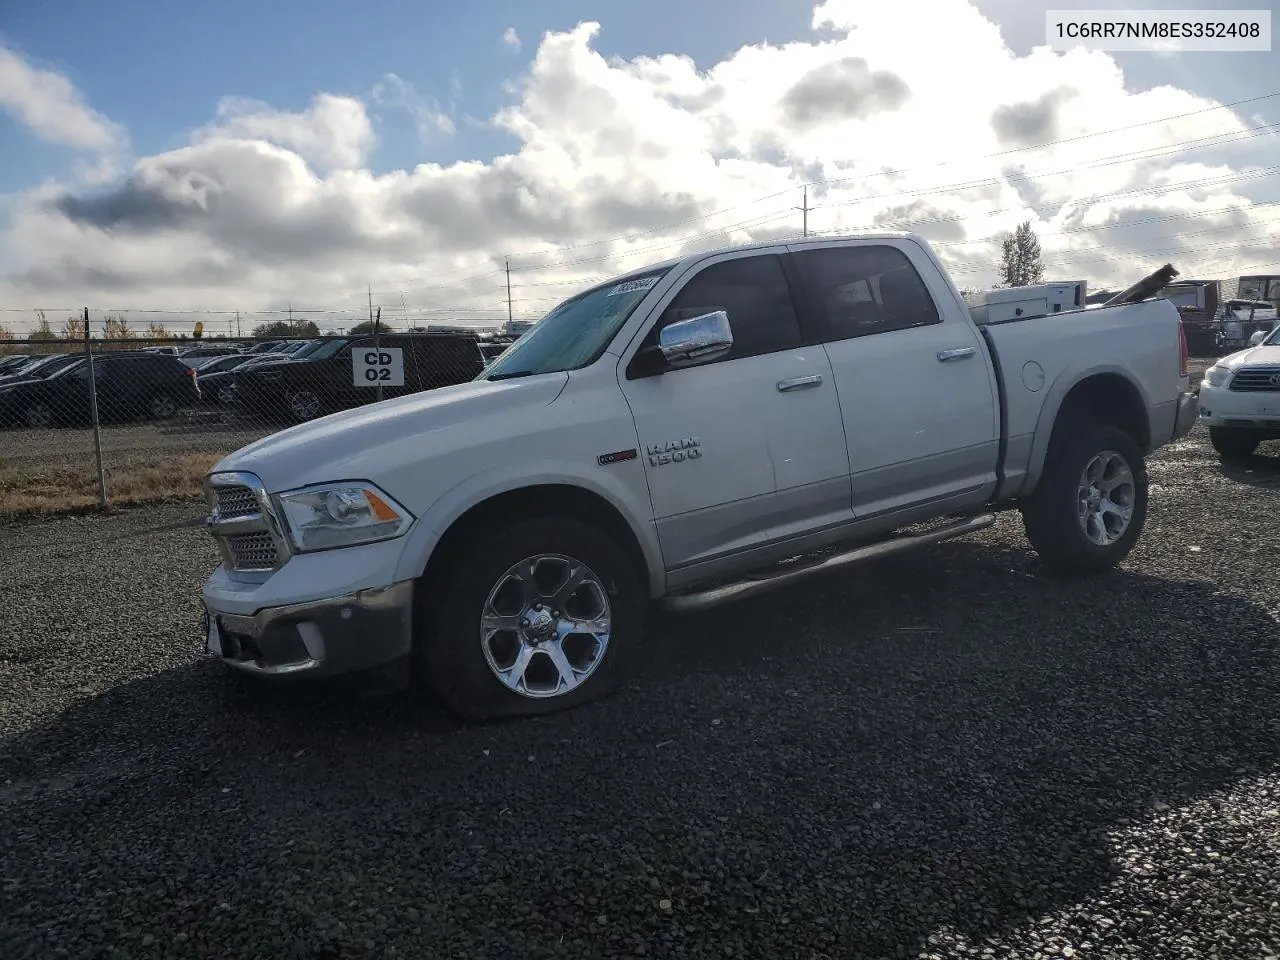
(278, 329)
(363, 327)
(1020, 263)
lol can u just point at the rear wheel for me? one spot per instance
(162, 406)
(38, 416)
(535, 618)
(1091, 503)
(304, 405)
(1232, 443)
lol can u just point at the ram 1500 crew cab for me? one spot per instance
(1240, 398)
(689, 433)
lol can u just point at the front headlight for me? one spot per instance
(1217, 375)
(341, 515)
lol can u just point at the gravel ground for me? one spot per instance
(941, 755)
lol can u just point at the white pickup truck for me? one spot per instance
(690, 433)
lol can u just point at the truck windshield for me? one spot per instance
(574, 333)
(1254, 288)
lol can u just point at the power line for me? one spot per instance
(622, 238)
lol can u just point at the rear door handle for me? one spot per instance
(959, 353)
(799, 383)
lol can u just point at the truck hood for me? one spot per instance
(352, 444)
(1261, 355)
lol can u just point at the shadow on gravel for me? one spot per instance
(1260, 470)
(942, 742)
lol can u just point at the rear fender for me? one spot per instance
(1066, 381)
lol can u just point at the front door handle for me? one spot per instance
(959, 353)
(799, 383)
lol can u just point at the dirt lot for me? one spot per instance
(947, 754)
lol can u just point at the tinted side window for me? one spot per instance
(753, 291)
(857, 291)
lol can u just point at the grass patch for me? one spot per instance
(41, 488)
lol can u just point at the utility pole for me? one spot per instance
(508, 262)
(292, 329)
(806, 208)
(237, 324)
(369, 287)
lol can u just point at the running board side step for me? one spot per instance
(899, 543)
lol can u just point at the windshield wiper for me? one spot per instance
(511, 375)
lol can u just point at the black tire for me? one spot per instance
(448, 654)
(1233, 444)
(1051, 515)
(162, 406)
(305, 405)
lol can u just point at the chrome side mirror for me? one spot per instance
(696, 340)
(1257, 338)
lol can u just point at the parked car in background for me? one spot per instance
(1198, 303)
(221, 389)
(1240, 399)
(320, 380)
(13, 361)
(1260, 287)
(169, 350)
(204, 353)
(265, 345)
(41, 367)
(693, 432)
(1238, 320)
(129, 385)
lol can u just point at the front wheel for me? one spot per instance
(535, 618)
(1233, 444)
(1090, 506)
(304, 405)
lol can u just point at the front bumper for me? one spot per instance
(1248, 410)
(343, 634)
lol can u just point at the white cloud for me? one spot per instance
(428, 116)
(52, 108)
(510, 38)
(333, 132)
(267, 208)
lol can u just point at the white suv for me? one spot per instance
(1240, 398)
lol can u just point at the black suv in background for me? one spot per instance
(322, 379)
(129, 385)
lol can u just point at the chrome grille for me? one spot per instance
(1257, 380)
(251, 551)
(244, 523)
(232, 502)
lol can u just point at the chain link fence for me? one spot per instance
(94, 422)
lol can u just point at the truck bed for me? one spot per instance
(1039, 358)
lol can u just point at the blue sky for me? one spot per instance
(160, 68)
(283, 203)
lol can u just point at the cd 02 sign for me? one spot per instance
(378, 367)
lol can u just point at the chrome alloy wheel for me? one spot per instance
(545, 626)
(1105, 498)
